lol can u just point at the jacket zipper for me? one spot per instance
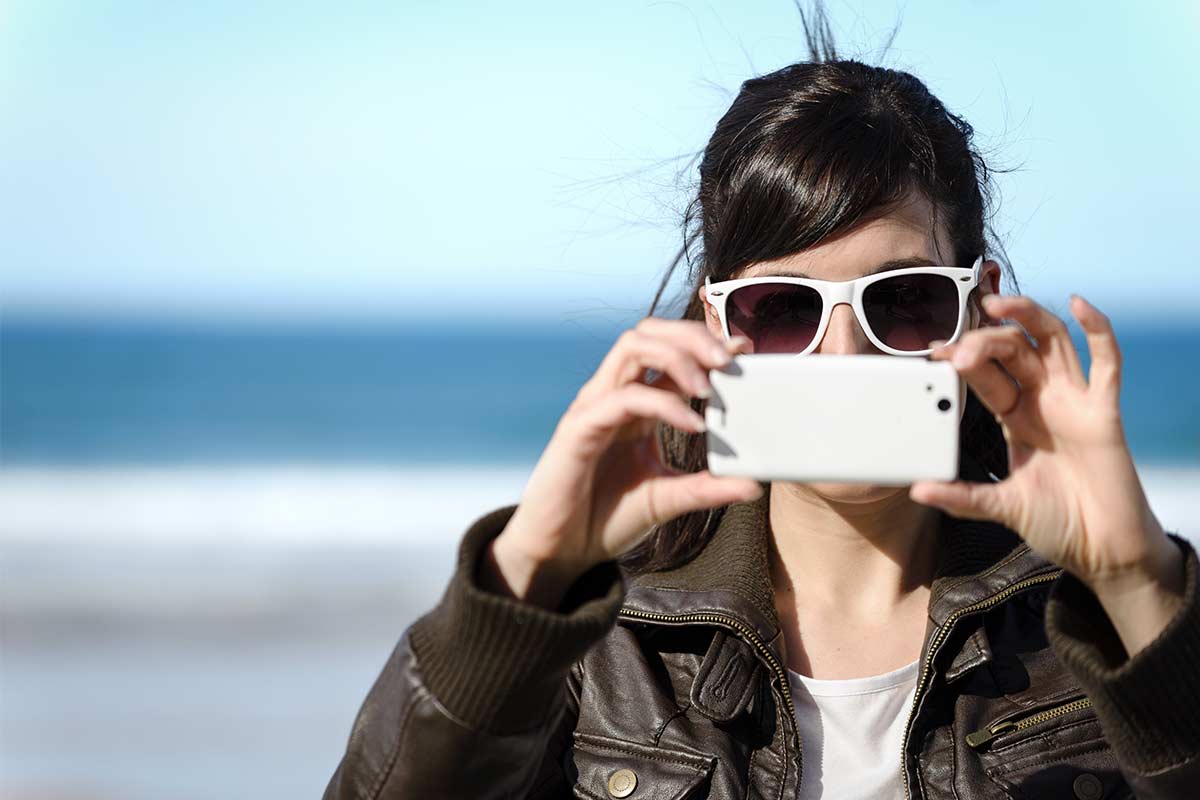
(981, 738)
(939, 639)
(749, 635)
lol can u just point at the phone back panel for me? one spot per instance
(852, 418)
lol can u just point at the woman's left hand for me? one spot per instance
(1072, 491)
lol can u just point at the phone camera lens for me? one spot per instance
(944, 404)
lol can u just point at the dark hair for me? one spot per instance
(805, 154)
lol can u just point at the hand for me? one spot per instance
(601, 484)
(1072, 493)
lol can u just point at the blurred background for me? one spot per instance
(293, 292)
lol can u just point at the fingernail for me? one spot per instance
(936, 343)
(704, 391)
(738, 342)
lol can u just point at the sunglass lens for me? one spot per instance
(775, 317)
(908, 312)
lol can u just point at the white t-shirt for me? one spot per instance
(851, 732)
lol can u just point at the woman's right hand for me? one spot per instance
(601, 484)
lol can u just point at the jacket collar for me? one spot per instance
(731, 577)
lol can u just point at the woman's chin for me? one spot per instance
(852, 492)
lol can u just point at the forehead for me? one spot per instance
(902, 237)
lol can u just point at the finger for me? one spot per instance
(671, 496)
(987, 360)
(694, 335)
(1104, 373)
(1054, 345)
(628, 359)
(962, 499)
(700, 386)
(684, 348)
(635, 401)
(996, 389)
(1005, 343)
(665, 356)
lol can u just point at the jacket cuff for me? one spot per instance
(1147, 704)
(497, 663)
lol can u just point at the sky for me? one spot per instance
(225, 160)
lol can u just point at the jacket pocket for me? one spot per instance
(1024, 724)
(1055, 750)
(605, 768)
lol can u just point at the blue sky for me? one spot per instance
(389, 160)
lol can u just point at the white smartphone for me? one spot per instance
(846, 418)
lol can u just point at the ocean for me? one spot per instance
(211, 535)
(147, 394)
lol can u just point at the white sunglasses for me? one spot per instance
(900, 310)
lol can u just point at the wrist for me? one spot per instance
(1141, 601)
(513, 571)
(1160, 567)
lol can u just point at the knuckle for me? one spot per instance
(645, 324)
(588, 395)
(576, 406)
(970, 348)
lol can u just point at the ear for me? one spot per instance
(989, 283)
(991, 276)
(711, 320)
(704, 306)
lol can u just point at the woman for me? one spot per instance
(636, 627)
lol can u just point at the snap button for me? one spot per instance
(622, 783)
(1088, 787)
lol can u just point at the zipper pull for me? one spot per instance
(980, 738)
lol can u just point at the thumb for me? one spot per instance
(679, 494)
(962, 499)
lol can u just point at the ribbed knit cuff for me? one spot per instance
(496, 663)
(1148, 705)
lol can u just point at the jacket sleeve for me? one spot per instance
(479, 697)
(1148, 705)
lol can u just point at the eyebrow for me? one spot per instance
(895, 263)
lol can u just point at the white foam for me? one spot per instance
(280, 505)
(321, 505)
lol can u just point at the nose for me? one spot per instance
(844, 335)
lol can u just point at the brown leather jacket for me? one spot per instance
(672, 685)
